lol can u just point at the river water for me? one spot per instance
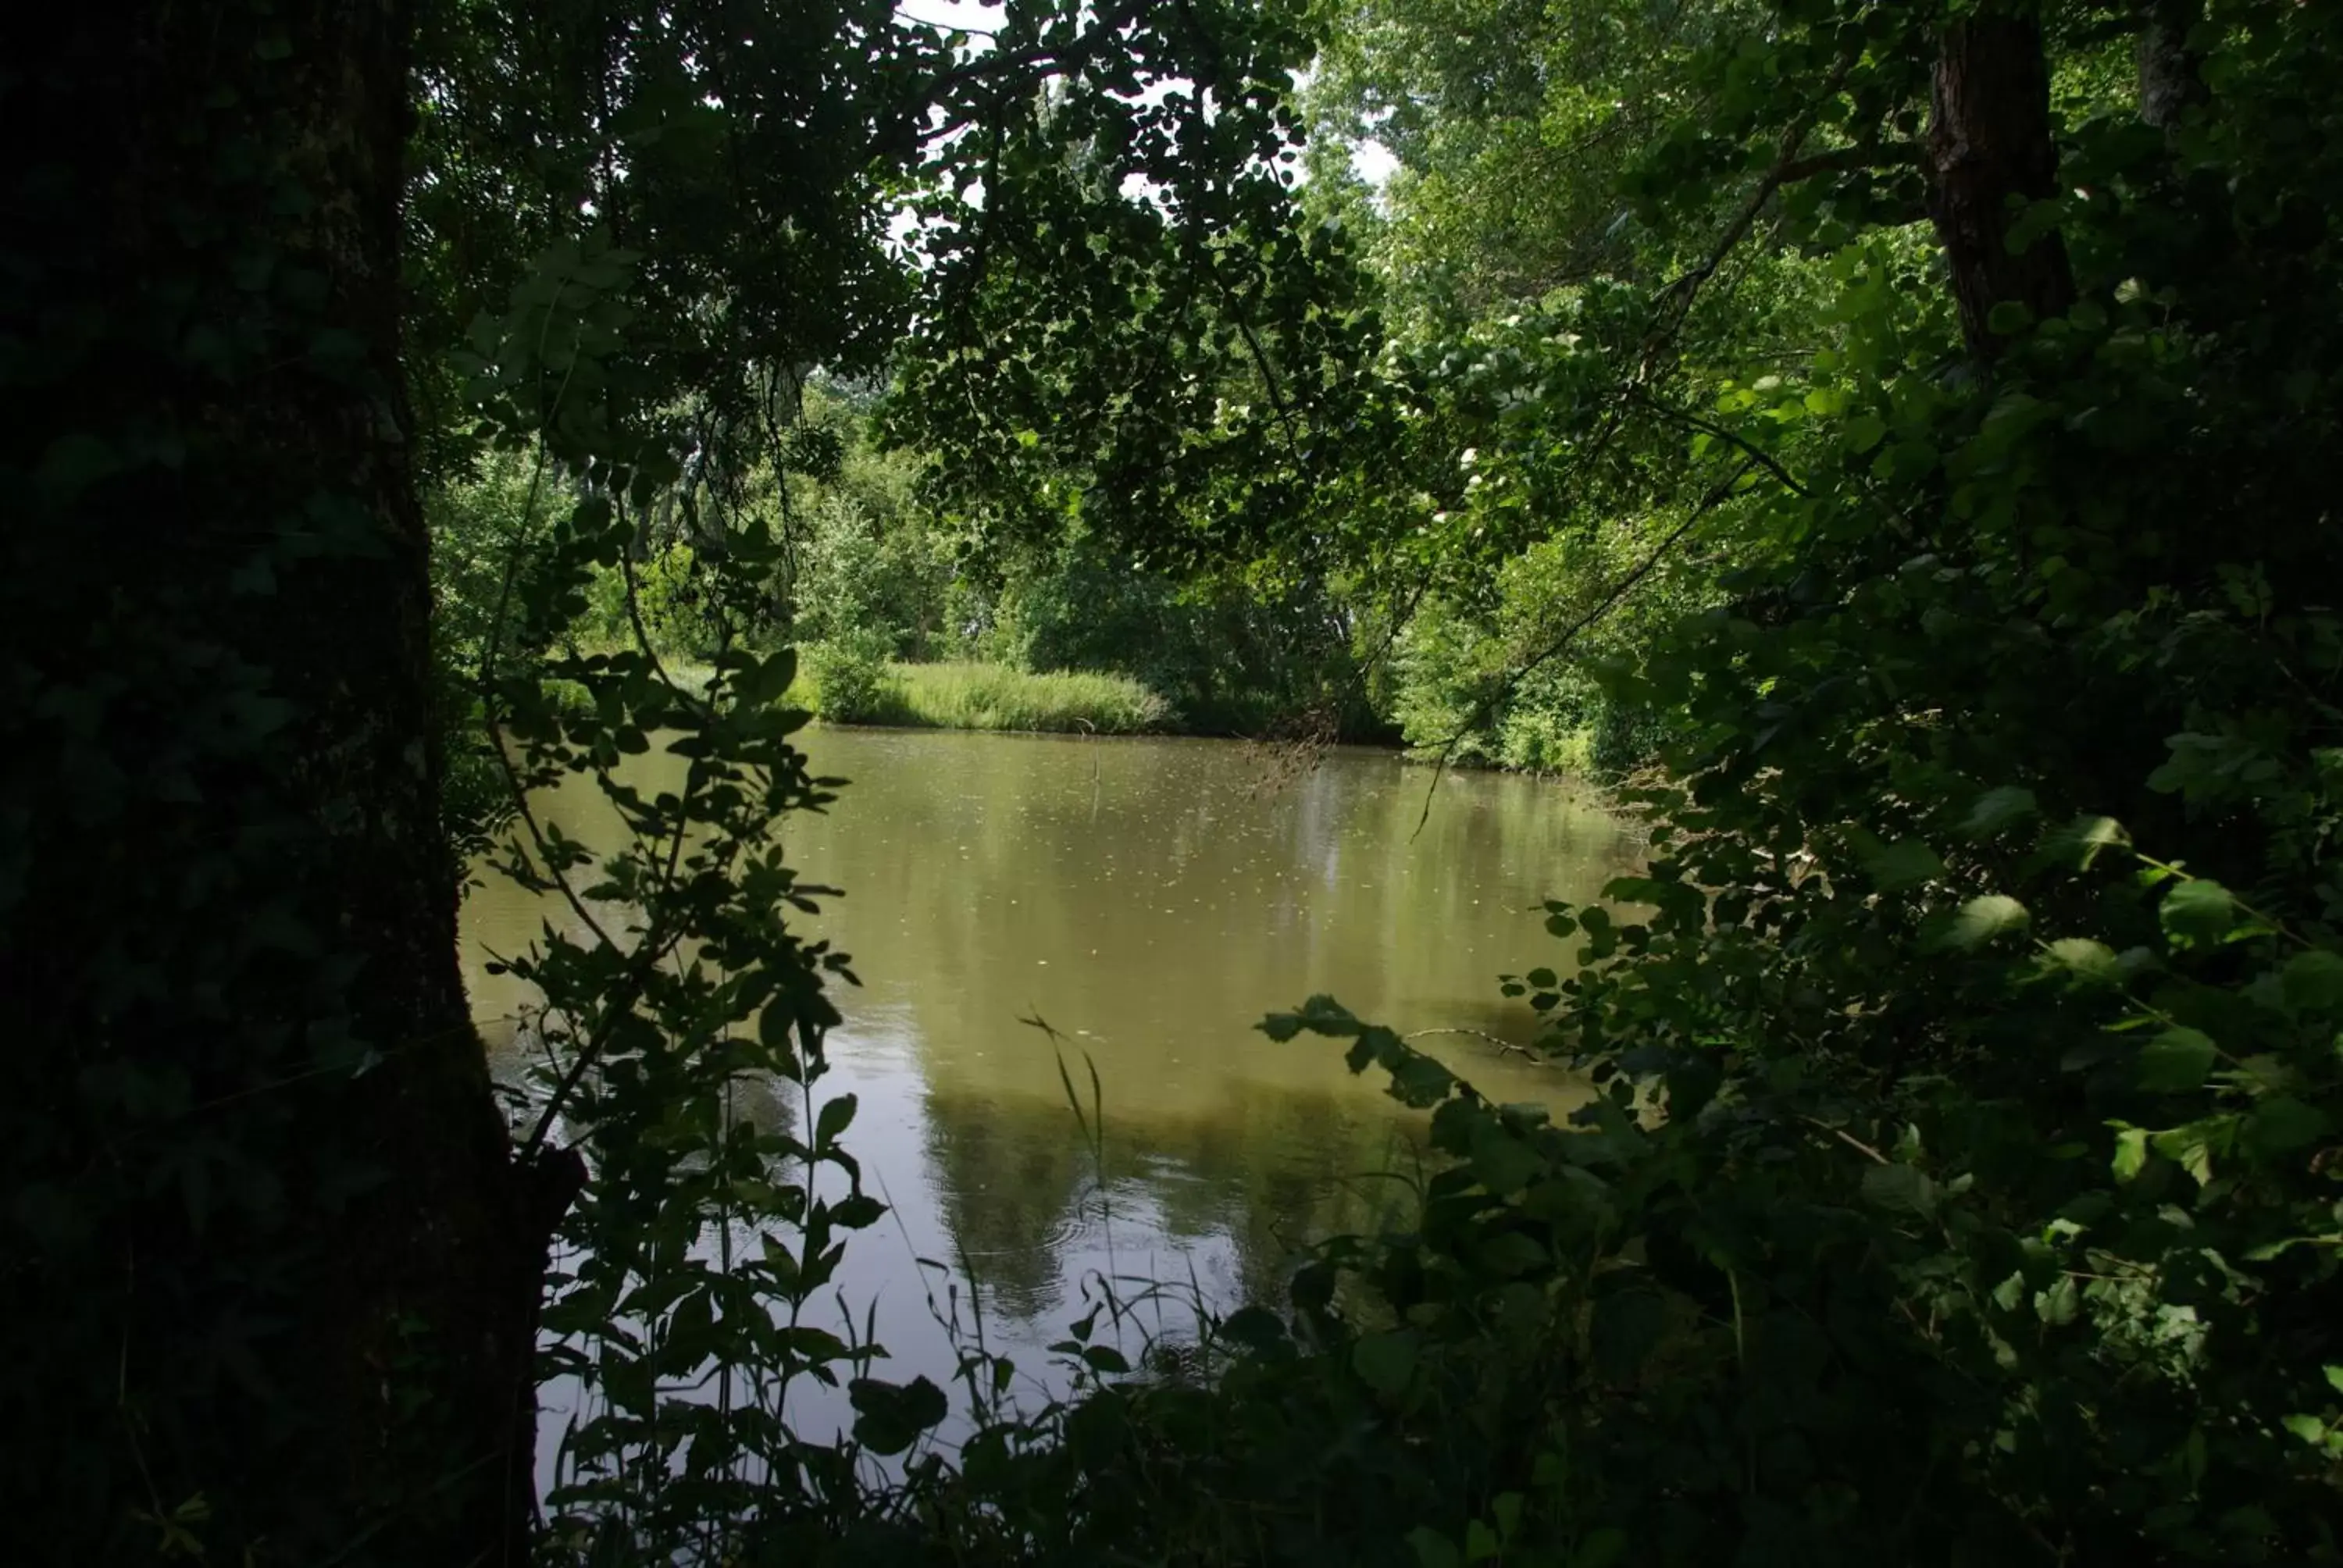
(1151, 899)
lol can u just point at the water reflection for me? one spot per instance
(1149, 900)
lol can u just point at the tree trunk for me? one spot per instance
(2169, 80)
(263, 1224)
(1990, 152)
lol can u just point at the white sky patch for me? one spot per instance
(1373, 163)
(951, 16)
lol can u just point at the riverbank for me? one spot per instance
(970, 696)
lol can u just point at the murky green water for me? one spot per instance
(1151, 899)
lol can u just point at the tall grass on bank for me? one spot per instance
(974, 696)
(996, 697)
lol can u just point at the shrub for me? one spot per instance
(851, 682)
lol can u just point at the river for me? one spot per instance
(1151, 899)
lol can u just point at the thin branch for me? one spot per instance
(1619, 591)
(1849, 1139)
(1276, 395)
(1502, 1043)
(1741, 444)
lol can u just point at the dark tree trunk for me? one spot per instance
(263, 1224)
(2169, 80)
(1990, 152)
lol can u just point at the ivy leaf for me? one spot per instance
(2178, 1059)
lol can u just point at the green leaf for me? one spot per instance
(1420, 1081)
(1256, 1329)
(1983, 919)
(2313, 981)
(1503, 1163)
(1106, 1359)
(2080, 842)
(1319, 1015)
(1432, 1550)
(2176, 1060)
(1385, 1363)
(2131, 1153)
(1907, 863)
(2085, 960)
(1512, 1254)
(1905, 1188)
(2281, 1124)
(889, 1417)
(2197, 911)
(1997, 809)
(1865, 431)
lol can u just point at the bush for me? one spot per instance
(852, 683)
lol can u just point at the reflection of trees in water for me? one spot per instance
(1273, 1172)
(1007, 1177)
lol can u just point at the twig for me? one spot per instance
(1610, 600)
(1849, 1139)
(1502, 1043)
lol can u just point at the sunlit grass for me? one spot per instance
(988, 697)
(996, 697)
